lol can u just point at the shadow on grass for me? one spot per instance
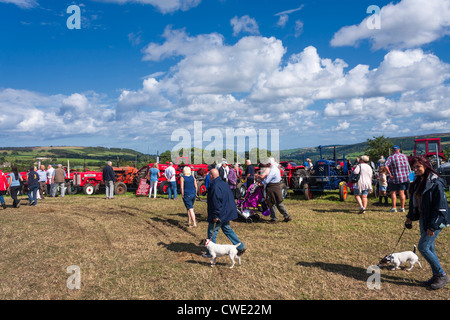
(182, 247)
(350, 211)
(356, 273)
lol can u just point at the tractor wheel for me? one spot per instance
(120, 188)
(284, 190)
(201, 188)
(162, 189)
(299, 179)
(242, 190)
(71, 189)
(343, 191)
(307, 192)
(88, 189)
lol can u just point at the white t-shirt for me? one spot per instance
(170, 173)
(50, 174)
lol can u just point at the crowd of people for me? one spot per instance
(427, 203)
(427, 200)
(40, 184)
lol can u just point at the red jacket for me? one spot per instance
(3, 182)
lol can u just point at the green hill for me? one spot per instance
(91, 157)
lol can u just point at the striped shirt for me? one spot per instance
(399, 167)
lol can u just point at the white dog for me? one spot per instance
(219, 250)
(400, 258)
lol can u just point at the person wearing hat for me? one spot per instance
(363, 187)
(398, 172)
(224, 170)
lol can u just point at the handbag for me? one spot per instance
(354, 177)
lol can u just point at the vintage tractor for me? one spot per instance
(431, 149)
(91, 181)
(328, 175)
(294, 176)
(199, 171)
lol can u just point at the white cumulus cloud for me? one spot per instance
(407, 24)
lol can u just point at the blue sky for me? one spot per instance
(139, 69)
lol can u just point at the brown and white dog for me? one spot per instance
(396, 259)
(219, 250)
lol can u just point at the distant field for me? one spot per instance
(136, 248)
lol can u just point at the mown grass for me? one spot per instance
(136, 248)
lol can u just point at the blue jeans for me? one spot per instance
(32, 194)
(226, 229)
(2, 200)
(172, 189)
(427, 249)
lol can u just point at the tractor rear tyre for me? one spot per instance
(71, 189)
(284, 191)
(343, 191)
(307, 192)
(201, 188)
(88, 189)
(162, 189)
(242, 190)
(120, 188)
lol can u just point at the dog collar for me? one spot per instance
(208, 242)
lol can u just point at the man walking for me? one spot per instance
(171, 177)
(398, 171)
(42, 181)
(59, 179)
(273, 193)
(221, 210)
(109, 178)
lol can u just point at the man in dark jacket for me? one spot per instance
(109, 178)
(33, 186)
(221, 210)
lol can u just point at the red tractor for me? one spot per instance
(429, 148)
(294, 176)
(91, 181)
(199, 171)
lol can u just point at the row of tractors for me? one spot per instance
(324, 175)
(334, 174)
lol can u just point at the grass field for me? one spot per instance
(136, 248)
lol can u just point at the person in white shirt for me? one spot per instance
(170, 175)
(50, 171)
(364, 185)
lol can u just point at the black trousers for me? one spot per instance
(14, 191)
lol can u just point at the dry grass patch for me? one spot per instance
(136, 248)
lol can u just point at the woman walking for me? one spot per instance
(364, 185)
(188, 186)
(152, 177)
(14, 186)
(233, 179)
(428, 204)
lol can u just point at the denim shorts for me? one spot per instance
(399, 186)
(357, 192)
(382, 188)
(189, 200)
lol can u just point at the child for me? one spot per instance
(382, 185)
